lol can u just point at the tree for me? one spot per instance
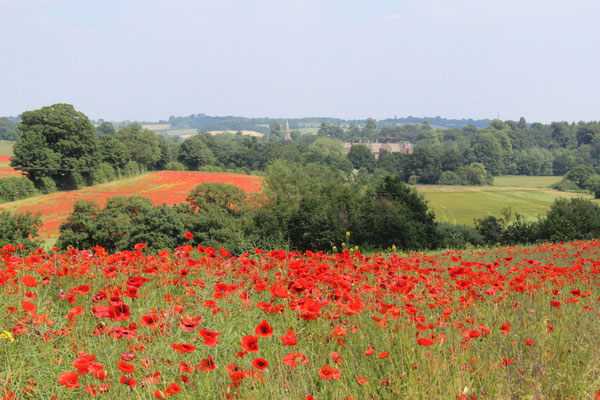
(394, 214)
(114, 152)
(58, 142)
(228, 197)
(143, 144)
(361, 157)
(194, 153)
(8, 130)
(104, 129)
(275, 130)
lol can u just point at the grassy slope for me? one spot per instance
(6, 148)
(461, 204)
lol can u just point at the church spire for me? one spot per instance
(286, 133)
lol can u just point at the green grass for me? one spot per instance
(526, 181)
(6, 148)
(461, 204)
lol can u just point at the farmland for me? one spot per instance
(461, 204)
(168, 187)
(198, 323)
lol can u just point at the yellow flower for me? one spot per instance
(7, 335)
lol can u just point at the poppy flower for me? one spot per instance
(289, 339)
(149, 320)
(328, 372)
(260, 363)
(207, 364)
(264, 329)
(125, 368)
(210, 337)
(140, 246)
(424, 342)
(188, 235)
(250, 344)
(505, 328)
(125, 380)
(183, 347)
(29, 281)
(173, 388)
(69, 379)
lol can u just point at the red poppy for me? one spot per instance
(183, 347)
(260, 363)
(188, 235)
(210, 337)
(29, 281)
(328, 372)
(125, 368)
(149, 320)
(289, 339)
(69, 379)
(125, 380)
(250, 344)
(207, 364)
(140, 246)
(424, 342)
(264, 329)
(173, 388)
(505, 328)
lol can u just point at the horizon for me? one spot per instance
(146, 61)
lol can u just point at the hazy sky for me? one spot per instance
(149, 59)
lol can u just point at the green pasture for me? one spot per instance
(462, 204)
(526, 181)
(6, 148)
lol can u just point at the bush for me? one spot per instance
(459, 236)
(566, 185)
(571, 219)
(45, 185)
(109, 171)
(450, 178)
(131, 168)
(18, 229)
(16, 188)
(174, 166)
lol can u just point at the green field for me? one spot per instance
(526, 181)
(6, 148)
(461, 204)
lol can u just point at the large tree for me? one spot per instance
(57, 142)
(142, 143)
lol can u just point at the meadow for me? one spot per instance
(509, 323)
(527, 195)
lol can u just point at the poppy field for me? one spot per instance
(509, 323)
(168, 187)
(6, 170)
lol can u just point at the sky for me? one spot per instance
(146, 60)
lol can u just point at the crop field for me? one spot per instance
(168, 187)
(461, 204)
(196, 323)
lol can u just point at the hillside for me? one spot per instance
(168, 187)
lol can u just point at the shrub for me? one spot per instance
(16, 188)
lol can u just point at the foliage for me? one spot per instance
(194, 153)
(8, 130)
(19, 229)
(143, 145)
(58, 142)
(16, 188)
